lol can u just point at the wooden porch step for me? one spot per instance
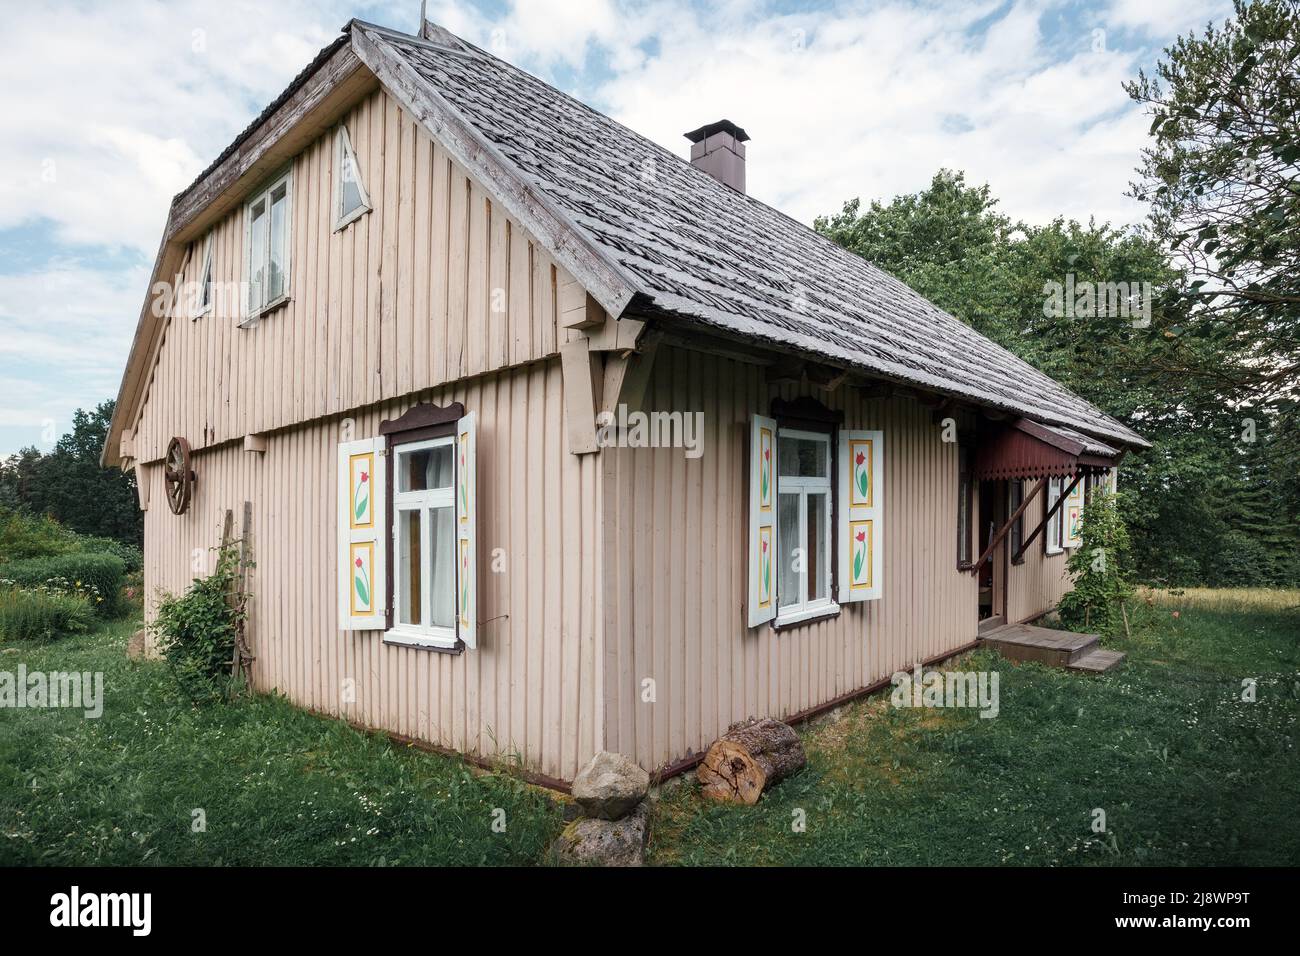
(1097, 661)
(1024, 642)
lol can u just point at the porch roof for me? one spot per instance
(1029, 449)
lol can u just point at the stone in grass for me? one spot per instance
(595, 842)
(610, 786)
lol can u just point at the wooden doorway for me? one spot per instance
(992, 575)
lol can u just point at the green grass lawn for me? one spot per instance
(277, 785)
(1186, 772)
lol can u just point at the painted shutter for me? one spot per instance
(1073, 512)
(466, 532)
(860, 468)
(762, 520)
(1052, 539)
(363, 535)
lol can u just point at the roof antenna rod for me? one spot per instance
(419, 31)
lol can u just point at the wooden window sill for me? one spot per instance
(805, 617)
(422, 643)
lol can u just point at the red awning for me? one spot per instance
(1029, 449)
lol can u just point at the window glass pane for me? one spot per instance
(349, 191)
(442, 599)
(803, 457)
(257, 255)
(817, 553)
(408, 567)
(787, 540)
(425, 470)
(279, 252)
(205, 290)
(1017, 529)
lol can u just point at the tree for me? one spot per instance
(1200, 500)
(69, 484)
(1223, 180)
(947, 242)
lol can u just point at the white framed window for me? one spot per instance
(804, 526)
(351, 201)
(424, 542)
(203, 289)
(1052, 539)
(268, 241)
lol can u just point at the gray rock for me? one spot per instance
(610, 786)
(596, 842)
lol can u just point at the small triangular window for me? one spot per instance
(351, 199)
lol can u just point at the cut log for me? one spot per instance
(750, 757)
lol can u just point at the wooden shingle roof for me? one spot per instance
(700, 251)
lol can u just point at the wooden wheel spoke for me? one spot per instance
(178, 475)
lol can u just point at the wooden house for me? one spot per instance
(551, 441)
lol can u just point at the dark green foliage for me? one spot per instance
(101, 575)
(197, 631)
(1100, 569)
(42, 615)
(25, 535)
(1205, 504)
(69, 484)
(1222, 176)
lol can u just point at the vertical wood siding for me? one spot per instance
(676, 571)
(1040, 581)
(433, 285)
(531, 688)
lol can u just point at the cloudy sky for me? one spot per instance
(112, 108)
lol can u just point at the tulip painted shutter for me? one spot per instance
(1073, 511)
(363, 535)
(762, 520)
(861, 468)
(466, 536)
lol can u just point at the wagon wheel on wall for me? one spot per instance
(179, 476)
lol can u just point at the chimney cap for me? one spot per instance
(721, 126)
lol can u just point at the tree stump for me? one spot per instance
(748, 758)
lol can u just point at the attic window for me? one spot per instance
(268, 246)
(203, 291)
(350, 198)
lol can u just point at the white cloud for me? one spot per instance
(64, 341)
(1166, 18)
(874, 100)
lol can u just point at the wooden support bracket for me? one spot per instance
(576, 365)
(1003, 531)
(578, 308)
(142, 485)
(1046, 518)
